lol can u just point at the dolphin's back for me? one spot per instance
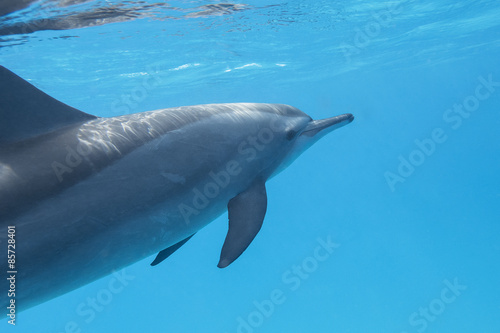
(51, 162)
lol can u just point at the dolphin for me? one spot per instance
(88, 196)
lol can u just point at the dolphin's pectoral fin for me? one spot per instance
(246, 213)
(164, 254)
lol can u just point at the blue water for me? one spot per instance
(409, 192)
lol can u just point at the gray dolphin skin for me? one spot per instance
(89, 196)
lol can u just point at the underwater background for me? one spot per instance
(403, 204)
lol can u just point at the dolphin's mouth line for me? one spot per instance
(331, 124)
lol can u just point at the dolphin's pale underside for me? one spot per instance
(90, 195)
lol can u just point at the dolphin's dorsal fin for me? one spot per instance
(26, 111)
(246, 213)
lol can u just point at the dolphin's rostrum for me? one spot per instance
(91, 195)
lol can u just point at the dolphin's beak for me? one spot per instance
(330, 124)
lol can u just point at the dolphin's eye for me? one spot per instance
(291, 134)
